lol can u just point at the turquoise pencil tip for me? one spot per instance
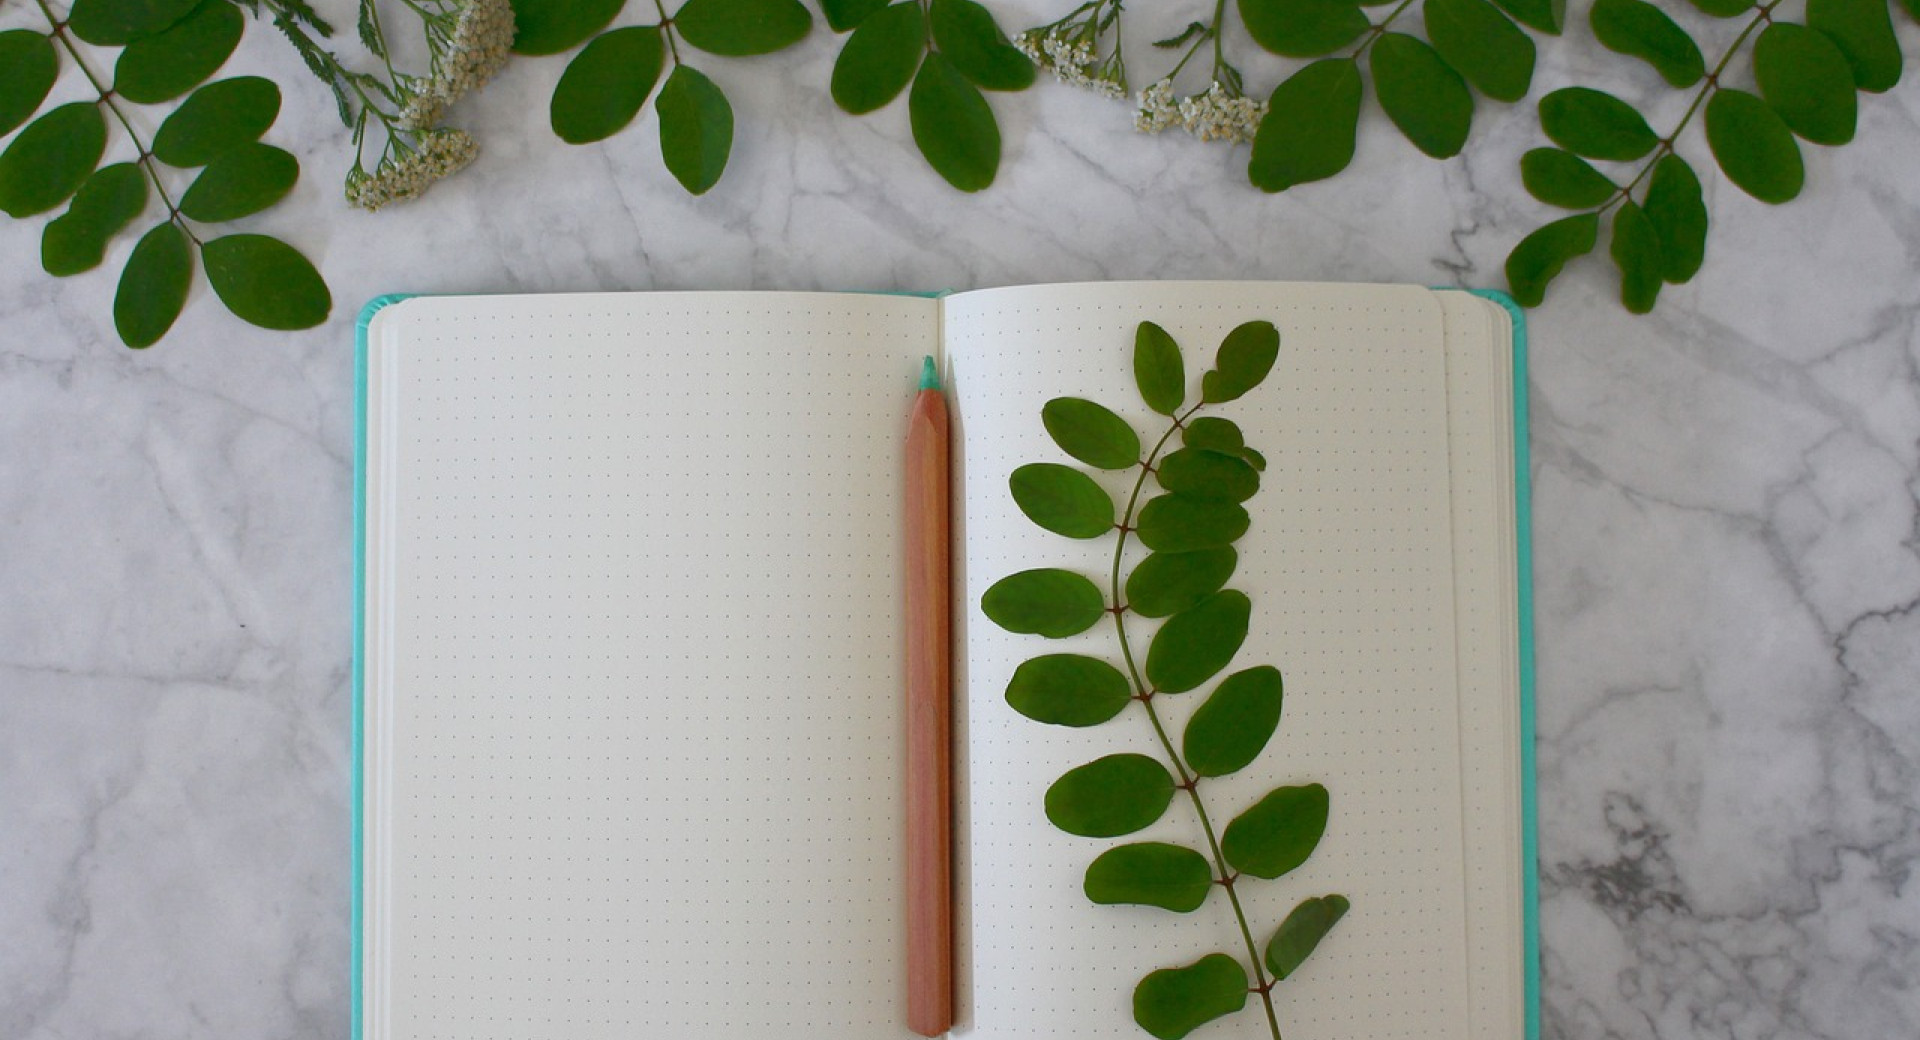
(929, 375)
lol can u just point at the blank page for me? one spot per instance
(632, 757)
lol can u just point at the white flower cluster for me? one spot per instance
(441, 153)
(1157, 109)
(1218, 115)
(1067, 51)
(481, 42)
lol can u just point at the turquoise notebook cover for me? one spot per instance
(1523, 534)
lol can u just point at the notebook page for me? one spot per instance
(1349, 566)
(633, 666)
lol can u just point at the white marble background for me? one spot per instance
(1727, 562)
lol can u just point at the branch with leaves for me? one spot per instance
(1806, 75)
(1189, 529)
(166, 49)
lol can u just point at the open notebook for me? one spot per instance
(629, 673)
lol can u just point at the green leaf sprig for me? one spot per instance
(1806, 76)
(167, 48)
(943, 53)
(1189, 527)
(609, 81)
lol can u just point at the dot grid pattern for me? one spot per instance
(1349, 564)
(644, 767)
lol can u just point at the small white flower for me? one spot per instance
(1157, 109)
(440, 153)
(481, 43)
(1219, 115)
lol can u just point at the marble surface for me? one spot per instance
(1727, 548)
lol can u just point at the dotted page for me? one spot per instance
(1349, 565)
(633, 746)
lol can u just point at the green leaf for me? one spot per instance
(1210, 475)
(1309, 130)
(1807, 80)
(1422, 94)
(1303, 28)
(1484, 45)
(952, 125)
(1231, 728)
(1045, 601)
(1091, 433)
(847, 14)
(1636, 252)
(1547, 16)
(1167, 583)
(1062, 499)
(1212, 433)
(1561, 178)
(161, 68)
(1753, 146)
(50, 159)
(696, 129)
(1278, 833)
(1913, 8)
(1172, 1002)
(1595, 124)
(153, 286)
(1181, 523)
(1723, 8)
(1244, 359)
(606, 83)
(28, 67)
(242, 182)
(1254, 459)
(1158, 369)
(266, 282)
(737, 28)
(1863, 30)
(1151, 873)
(966, 33)
(880, 58)
(1638, 29)
(552, 26)
(1537, 260)
(1068, 690)
(218, 116)
(109, 200)
(1679, 217)
(1301, 932)
(1197, 643)
(1110, 796)
(116, 23)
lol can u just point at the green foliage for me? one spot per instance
(606, 83)
(51, 158)
(1863, 30)
(1172, 1002)
(1640, 30)
(741, 28)
(1679, 216)
(1190, 530)
(1062, 500)
(153, 286)
(1311, 125)
(28, 67)
(880, 58)
(1152, 873)
(1300, 934)
(696, 129)
(116, 23)
(1422, 94)
(1595, 125)
(243, 181)
(1636, 252)
(1304, 28)
(1233, 726)
(953, 126)
(1278, 833)
(966, 33)
(1805, 78)
(1561, 178)
(163, 67)
(215, 118)
(109, 200)
(1110, 796)
(1068, 690)
(1547, 16)
(552, 26)
(1753, 146)
(266, 282)
(1045, 601)
(1484, 44)
(1537, 260)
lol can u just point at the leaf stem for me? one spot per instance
(1379, 30)
(666, 28)
(1708, 85)
(1188, 781)
(60, 30)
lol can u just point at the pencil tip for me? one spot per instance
(929, 376)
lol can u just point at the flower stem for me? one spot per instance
(1144, 694)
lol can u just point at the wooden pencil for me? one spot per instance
(929, 783)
